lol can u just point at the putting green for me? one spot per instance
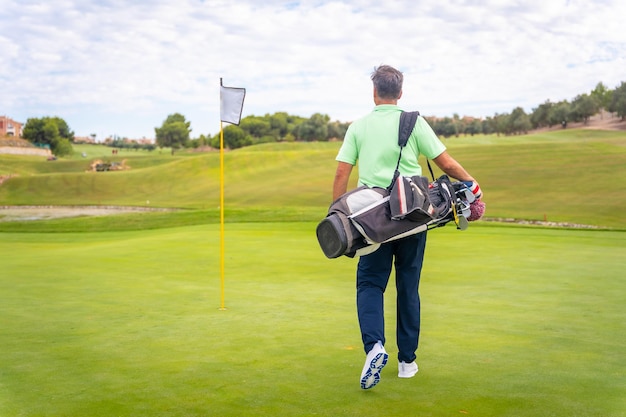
(516, 321)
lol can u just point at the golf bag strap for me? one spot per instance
(407, 124)
(430, 169)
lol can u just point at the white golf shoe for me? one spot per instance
(407, 370)
(374, 363)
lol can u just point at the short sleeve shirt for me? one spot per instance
(373, 142)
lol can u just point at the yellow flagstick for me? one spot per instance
(231, 106)
(222, 306)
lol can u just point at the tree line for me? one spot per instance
(547, 114)
(175, 132)
(283, 127)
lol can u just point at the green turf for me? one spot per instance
(516, 321)
(119, 315)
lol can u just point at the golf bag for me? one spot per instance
(360, 220)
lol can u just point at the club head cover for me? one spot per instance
(477, 210)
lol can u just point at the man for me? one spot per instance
(373, 141)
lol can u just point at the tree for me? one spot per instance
(256, 126)
(315, 128)
(174, 132)
(584, 106)
(279, 124)
(540, 116)
(618, 101)
(201, 141)
(234, 137)
(518, 122)
(602, 95)
(499, 123)
(447, 127)
(64, 129)
(560, 113)
(473, 127)
(487, 126)
(458, 124)
(337, 130)
(51, 131)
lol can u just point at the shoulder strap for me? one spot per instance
(407, 124)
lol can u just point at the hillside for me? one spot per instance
(571, 176)
(601, 121)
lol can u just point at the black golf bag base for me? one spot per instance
(333, 239)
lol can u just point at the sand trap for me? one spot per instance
(25, 213)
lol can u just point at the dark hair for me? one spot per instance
(387, 81)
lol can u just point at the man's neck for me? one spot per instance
(378, 101)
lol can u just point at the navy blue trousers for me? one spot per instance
(373, 271)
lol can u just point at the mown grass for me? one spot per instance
(119, 315)
(516, 321)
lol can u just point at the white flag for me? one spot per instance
(231, 104)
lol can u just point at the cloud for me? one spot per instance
(115, 67)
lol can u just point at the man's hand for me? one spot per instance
(475, 189)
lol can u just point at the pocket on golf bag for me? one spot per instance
(409, 198)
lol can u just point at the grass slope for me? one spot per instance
(516, 322)
(574, 176)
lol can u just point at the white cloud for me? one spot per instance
(115, 67)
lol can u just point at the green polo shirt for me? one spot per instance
(373, 142)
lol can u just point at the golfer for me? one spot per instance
(373, 142)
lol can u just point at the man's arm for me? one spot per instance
(451, 167)
(340, 185)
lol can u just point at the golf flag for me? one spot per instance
(231, 103)
(231, 106)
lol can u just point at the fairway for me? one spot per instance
(517, 321)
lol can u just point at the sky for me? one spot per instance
(119, 68)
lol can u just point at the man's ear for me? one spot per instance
(400, 95)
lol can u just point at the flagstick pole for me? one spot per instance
(222, 306)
